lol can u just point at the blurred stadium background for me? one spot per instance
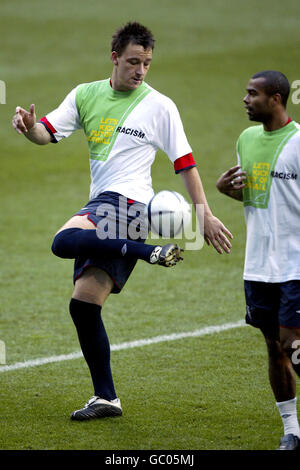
(210, 392)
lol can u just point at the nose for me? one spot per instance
(246, 98)
(140, 70)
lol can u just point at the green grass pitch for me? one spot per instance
(201, 393)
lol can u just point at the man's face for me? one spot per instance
(131, 67)
(257, 103)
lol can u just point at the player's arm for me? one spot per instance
(24, 122)
(215, 233)
(232, 183)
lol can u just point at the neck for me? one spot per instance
(114, 82)
(276, 121)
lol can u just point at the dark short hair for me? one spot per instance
(132, 33)
(275, 82)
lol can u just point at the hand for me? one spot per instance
(232, 180)
(215, 233)
(23, 120)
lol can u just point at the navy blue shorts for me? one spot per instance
(273, 305)
(108, 208)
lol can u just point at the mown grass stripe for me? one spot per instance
(126, 345)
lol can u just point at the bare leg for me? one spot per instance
(290, 343)
(281, 373)
(78, 221)
(93, 286)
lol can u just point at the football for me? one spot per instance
(168, 213)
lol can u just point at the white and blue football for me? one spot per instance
(168, 213)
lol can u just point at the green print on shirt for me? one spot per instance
(259, 151)
(102, 111)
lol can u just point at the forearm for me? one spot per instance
(214, 231)
(38, 134)
(193, 184)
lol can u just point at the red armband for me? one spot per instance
(183, 163)
(48, 125)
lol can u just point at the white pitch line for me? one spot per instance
(128, 345)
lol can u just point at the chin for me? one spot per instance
(255, 118)
(130, 87)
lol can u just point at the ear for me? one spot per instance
(114, 57)
(276, 99)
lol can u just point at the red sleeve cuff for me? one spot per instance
(183, 163)
(48, 126)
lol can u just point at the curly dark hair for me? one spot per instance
(132, 33)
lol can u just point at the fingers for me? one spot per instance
(17, 122)
(218, 245)
(20, 111)
(23, 119)
(232, 170)
(232, 179)
(221, 243)
(227, 232)
(224, 242)
(32, 109)
(216, 235)
(238, 183)
(238, 174)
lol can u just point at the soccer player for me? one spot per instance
(125, 122)
(267, 180)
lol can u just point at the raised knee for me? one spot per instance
(63, 243)
(57, 245)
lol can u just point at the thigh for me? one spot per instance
(289, 311)
(78, 221)
(262, 304)
(115, 216)
(93, 286)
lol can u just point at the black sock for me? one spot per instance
(75, 242)
(94, 345)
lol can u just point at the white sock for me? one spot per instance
(288, 413)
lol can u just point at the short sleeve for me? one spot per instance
(64, 120)
(170, 136)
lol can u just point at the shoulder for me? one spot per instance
(251, 132)
(90, 88)
(248, 136)
(297, 128)
(295, 139)
(161, 100)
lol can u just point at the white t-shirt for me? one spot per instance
(124, 131)
(271, 202)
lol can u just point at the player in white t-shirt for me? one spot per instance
(267, 180)
(125, 122)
